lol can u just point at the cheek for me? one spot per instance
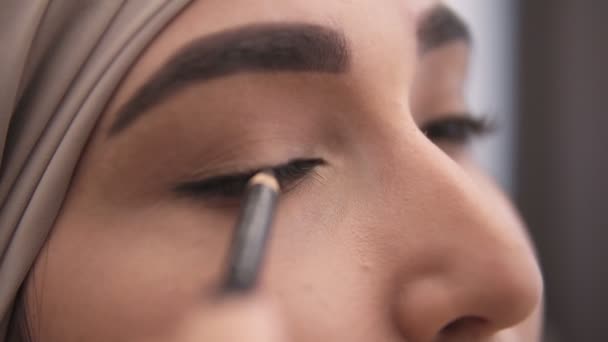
(323, 268)
(118, 276)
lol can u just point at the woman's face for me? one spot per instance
(383, 233)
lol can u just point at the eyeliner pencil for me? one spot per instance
(252, 233)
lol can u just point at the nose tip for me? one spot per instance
(470, 306)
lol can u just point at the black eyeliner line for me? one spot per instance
(217, 181)
(208, 184)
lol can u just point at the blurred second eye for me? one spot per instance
(458, 129)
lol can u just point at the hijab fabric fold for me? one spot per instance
(60, 62)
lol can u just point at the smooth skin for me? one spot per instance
(396, 238)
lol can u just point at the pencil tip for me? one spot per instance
(267, 178)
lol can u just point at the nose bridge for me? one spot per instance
(470, 261)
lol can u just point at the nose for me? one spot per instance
(471, 271)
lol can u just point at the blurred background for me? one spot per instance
(540, 68)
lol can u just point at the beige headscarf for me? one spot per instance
(60, 61)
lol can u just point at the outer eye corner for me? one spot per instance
(291, 174)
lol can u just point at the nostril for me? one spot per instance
(468, 326)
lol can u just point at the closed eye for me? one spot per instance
(231, 187)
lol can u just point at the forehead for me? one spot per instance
(376, 44)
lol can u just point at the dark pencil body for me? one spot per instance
(252, 233)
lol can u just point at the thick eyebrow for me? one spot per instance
(276, 47)
(441, 25)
